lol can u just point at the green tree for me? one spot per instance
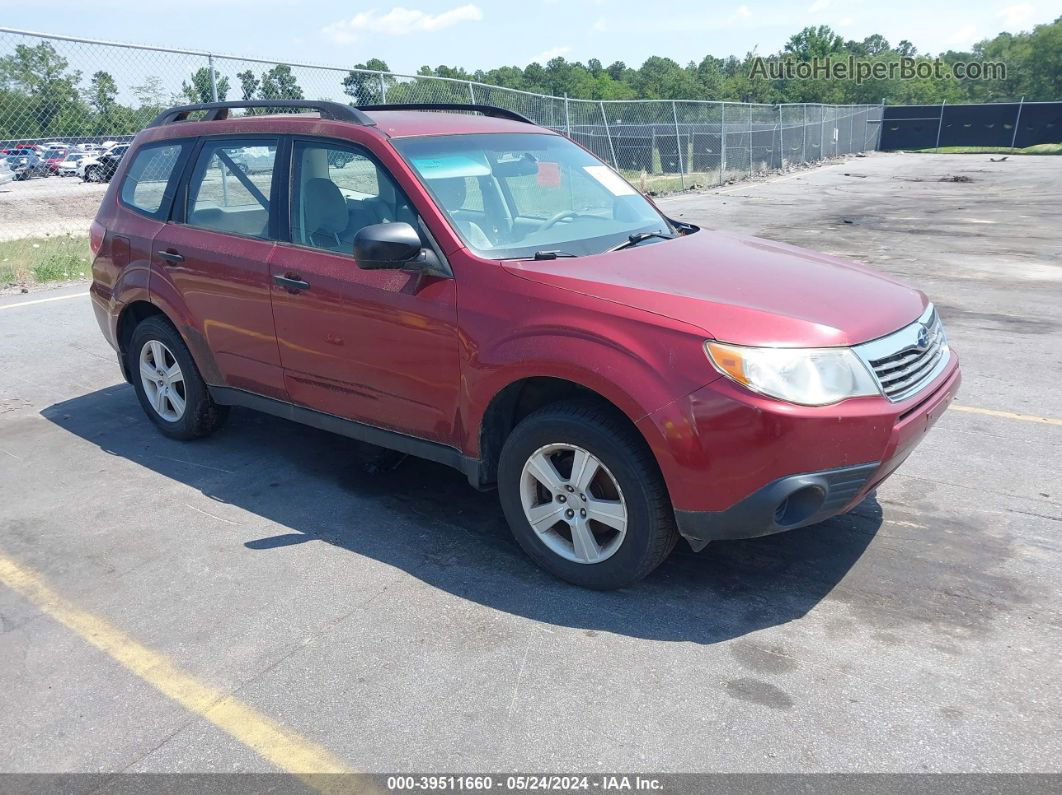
(813, 42)
(280, 83)
(200, 90)
(248, 84)
(44, 77)
(363, 87)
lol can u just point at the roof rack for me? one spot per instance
(486, 110)
(215, 111)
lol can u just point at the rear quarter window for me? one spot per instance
(151, 179)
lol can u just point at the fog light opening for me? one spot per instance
(799, 506)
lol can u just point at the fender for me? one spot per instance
(168, 299)
(637, 373)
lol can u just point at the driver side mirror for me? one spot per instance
(396, 246)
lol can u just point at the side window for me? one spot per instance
(149, 183)
(230, 187)
(337, 190)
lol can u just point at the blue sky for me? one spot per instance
(487, 33)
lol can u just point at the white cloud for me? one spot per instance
(399, 22)
(1017, 15)
(743, 11)
(600, 25)
(548, 55)
(819, 5)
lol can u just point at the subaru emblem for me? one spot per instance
(923, 336)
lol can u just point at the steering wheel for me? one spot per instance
(549, 222)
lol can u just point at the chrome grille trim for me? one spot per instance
(903, 367)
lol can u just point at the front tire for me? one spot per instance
(168, 384)
(584, 497)
(93, 174)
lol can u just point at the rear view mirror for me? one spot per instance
(383, 246)
(523, 166)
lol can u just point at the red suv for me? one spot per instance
(485, 293)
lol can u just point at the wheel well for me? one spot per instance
(515, 402)
(130, 318)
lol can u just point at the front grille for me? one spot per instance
(909, 359)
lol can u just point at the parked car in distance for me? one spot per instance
(27, 166)
(6, 174)
(53, 158)
(487, 294)
(69, 164)
(102, 167)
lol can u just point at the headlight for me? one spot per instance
(808, 376)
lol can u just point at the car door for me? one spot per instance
(376, 346)
(215, 260)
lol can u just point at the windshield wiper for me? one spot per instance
(541, 255)
(635, 239)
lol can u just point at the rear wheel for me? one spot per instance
(584, 497)
(168, 384)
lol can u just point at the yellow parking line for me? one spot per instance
(1010, 415)
(269, 739)
(43, 301)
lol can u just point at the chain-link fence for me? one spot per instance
(74, 94)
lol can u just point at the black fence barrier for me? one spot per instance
(1003, 124)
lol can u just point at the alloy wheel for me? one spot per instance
(573, 503)
(162, 380)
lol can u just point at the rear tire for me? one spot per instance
(168, 384)
(627, 490)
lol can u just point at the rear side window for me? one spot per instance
(150, 182)
(231, 185)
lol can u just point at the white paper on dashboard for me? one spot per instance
(610, 179)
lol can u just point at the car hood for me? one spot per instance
(741, 289)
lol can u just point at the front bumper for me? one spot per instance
(741, 466)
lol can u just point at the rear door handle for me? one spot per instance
(293, 284)
(172, 257)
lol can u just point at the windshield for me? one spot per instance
(514, 195)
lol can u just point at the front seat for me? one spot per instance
(324, 214)
(451, 194)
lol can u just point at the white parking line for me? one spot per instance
(42, 301)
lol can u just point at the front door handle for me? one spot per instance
(172, 257)
(291, 283)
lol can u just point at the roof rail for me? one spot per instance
(216, 111)
(486, 110)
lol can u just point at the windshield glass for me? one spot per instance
(513, 195)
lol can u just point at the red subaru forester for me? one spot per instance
(483, 292)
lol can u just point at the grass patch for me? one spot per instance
(1038, 149)
(36, 260)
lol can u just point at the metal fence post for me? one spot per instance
(678, 143)
(608, 135)
(881, 126)
(383, 89)
(781, 139)
(471, 93)
(804, 135)
(567, 116)
(213, 79)
(722, 141)
(940, 124)
(1017, 121)
(749, 126)
(822, 132)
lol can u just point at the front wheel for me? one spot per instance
(93, 174)
(584, 497)
(168, 384)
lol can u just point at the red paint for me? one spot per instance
(425, 356)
